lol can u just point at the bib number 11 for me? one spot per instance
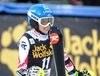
(45, 63)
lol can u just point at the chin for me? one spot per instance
(45, 32)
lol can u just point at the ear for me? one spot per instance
(34, 24)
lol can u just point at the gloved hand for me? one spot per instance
(21, 72)
(32, 71)
(78, 73)
(88, 73)
(35, 71)
(84, 73)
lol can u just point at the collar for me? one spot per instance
(37, 35)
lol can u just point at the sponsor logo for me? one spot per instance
(54, 38)
(69, 64)
(41, 51)
(31, 41)
(23, 45)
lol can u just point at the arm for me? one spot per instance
(69, 66)
(23, 55)
(72, 71)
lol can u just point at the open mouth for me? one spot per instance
(46, 29)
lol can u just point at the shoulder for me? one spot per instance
(23, 43)
(23, 40)
(27, 38)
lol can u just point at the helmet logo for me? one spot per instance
(54, 38)
(34, 17)
(45, 7)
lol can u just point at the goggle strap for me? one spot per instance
(32, 16)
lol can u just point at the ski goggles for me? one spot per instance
(45, 21)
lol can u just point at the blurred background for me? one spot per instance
(78, 19)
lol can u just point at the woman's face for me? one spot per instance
(44, 30)
(45, 24)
